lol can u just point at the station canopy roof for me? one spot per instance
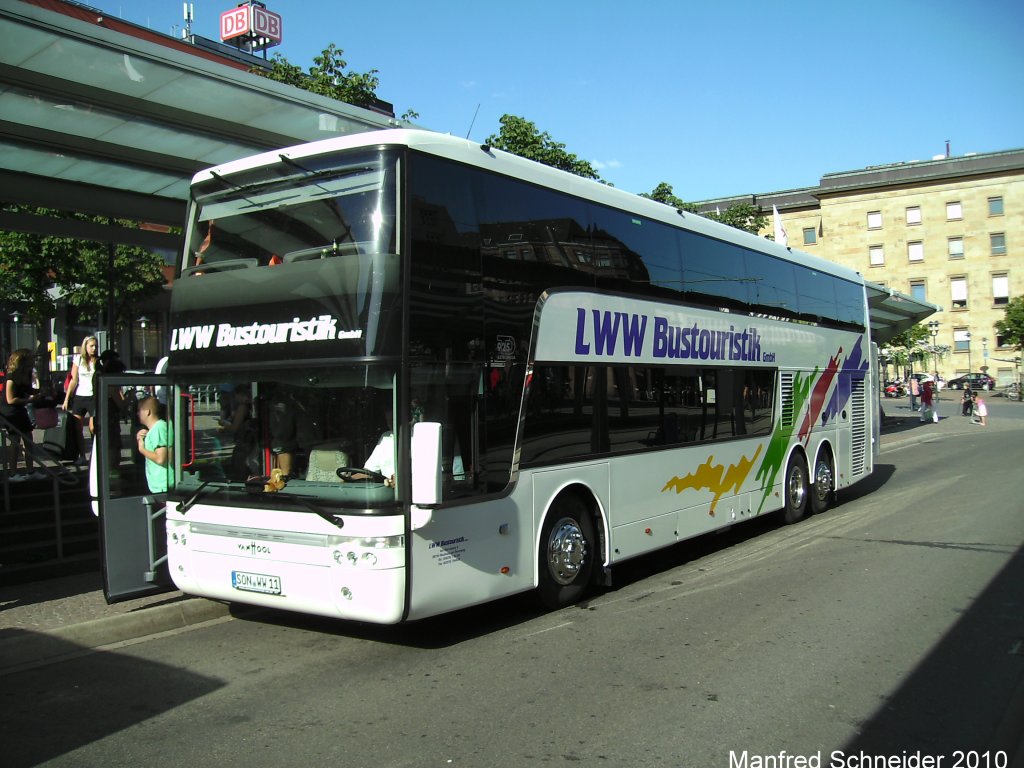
(103, 117)
(892, 312)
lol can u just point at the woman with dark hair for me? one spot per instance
(18, 394)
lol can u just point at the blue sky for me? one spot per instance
(714, 98)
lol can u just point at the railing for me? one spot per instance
(58, 475)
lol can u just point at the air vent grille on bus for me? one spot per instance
(858, 427)
(788, 417)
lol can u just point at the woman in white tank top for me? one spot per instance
(81, 388)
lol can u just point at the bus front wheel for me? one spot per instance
(795, 489)
(567, 553)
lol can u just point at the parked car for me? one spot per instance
(973, 380)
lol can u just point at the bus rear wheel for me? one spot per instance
(821, 484)
(567, 553)
(795, 490)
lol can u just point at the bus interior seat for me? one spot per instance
(324, 463)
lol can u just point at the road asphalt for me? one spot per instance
(41, 621)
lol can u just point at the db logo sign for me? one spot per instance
(250, 21)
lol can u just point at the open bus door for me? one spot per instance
(133, 537)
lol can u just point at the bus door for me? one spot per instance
(133, 538)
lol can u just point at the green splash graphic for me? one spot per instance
(776, 453)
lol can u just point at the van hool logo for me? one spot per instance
(254, 548)
(322, 328)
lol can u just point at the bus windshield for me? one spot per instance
(293, 211)
(275, 435)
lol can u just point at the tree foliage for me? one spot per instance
(30, 265)
(521, 137)
(743, 216)
(327, 77)
(1011, 327)
(663, 194)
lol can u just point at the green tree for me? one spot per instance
(1011, 327)
(521, 137)
(743, 216)
(663, 194)
(31, 264)
(328, 77)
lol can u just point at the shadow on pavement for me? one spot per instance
(55, 709)
(968, 693)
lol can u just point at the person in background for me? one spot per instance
(980, 410)
(967, 402)
(154, 442)
(18, 394)
(81, 388)
(927, 402)
(915, 391)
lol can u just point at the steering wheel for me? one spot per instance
(347, 475)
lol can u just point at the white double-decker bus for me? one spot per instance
(409, 373)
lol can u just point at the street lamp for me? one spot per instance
(933, 328)
(142, 324)
(16, 318)
(967, 336)
(984, 358)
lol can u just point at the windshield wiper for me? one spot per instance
(314, 508)
(184, 506)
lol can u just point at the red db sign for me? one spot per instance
(250, 21)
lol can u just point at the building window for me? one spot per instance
(917, 290)
(810, 236)
(874, 220)
(876, 254)
(954, 211)
(1000, 289)
(915, 251)
(958, 292)
(914, 215)
(956, 247)
(995, 206)
(1000, 338)
(961, 340)
(998, 242)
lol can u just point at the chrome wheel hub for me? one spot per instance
(567, 551)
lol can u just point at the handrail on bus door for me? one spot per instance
(191, 428)
(152, 515)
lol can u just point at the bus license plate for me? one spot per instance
(256, 582)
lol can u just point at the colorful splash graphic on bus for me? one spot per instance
(820, 396)
(715, 477)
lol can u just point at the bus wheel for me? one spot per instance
(795, 489)
(821, 488)
(567, 553)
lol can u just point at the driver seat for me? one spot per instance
(323, 465)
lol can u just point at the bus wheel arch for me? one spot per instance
(795, 488)
(822, 480)
(569, 549)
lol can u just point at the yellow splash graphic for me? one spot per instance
(715, 477)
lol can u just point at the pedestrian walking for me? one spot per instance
(83, 406)
(981, 411)
(915, 392)
(928, 408)
(18, 394)
(967, 402)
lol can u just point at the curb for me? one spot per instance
(31, 648)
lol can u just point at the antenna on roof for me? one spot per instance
(189, 12)
(471, 122)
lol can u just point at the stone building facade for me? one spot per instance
(949, 231)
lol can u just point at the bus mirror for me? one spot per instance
(426, 463)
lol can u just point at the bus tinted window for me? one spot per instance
(576, 411)
(715, 269)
